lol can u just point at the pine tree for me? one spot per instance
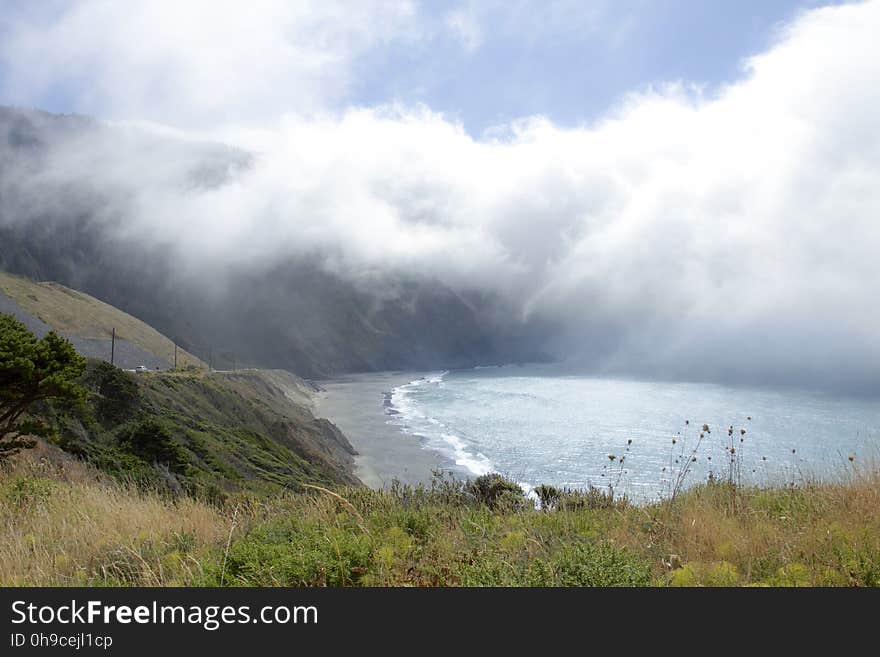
(32, 370)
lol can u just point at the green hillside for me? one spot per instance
(197, 433)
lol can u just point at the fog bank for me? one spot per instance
(727, 234)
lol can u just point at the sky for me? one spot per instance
(569, 61)
(481, 63)
(686, 188)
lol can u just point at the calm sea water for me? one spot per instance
(537, 427)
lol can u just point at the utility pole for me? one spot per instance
(113, 347)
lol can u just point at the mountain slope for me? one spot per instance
(184, 430)
(205, 434)
(87, 322)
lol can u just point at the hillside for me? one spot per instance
(202, 434)
(184, 430)
(87, 322)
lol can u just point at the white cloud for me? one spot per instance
(734, 235)
(195, 63)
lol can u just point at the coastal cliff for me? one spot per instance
(186, 430)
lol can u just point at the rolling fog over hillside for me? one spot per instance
(66, 224)
(723, 232)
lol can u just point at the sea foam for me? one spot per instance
(405, 413)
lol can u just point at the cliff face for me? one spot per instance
(294, 313)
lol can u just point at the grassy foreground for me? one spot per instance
(63, 523)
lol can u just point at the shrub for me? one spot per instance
(495, 491)
(591, 498)
(118, 391)
(296, 553)
(32, 371)
(684, 576)
(793, 574)
(599, 563)
(721, 573)
(548, 496)
(29, 492)
(152, 441)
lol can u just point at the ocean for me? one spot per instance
(539, 427)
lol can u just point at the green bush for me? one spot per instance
(495, 491)
(32, 372)
(419, 524)
(793, 574)
(598, 563)
(591, 498)
(119, 395)
(151, 440)
(718, 573)
(548, 495)
(295, 553)
(29, 492)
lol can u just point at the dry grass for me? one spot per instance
(810, 534)
(78, 314)
(63, 524)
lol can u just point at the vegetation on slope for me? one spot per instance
(189, 432)
(77, 314)
(227, 479)
(63, 524)
(32, 371)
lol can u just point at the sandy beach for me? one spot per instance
(354, 403)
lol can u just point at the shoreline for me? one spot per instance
(356, 404)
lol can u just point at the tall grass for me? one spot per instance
(68, 526)
(61, 523)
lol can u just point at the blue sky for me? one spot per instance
(480, 63)
(572, 72)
